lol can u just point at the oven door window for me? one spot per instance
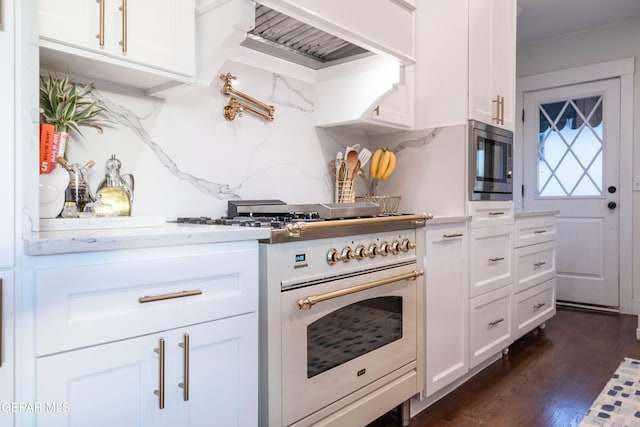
(352, 331)
(491, 161)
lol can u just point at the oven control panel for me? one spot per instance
(371, 250)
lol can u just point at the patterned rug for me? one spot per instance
(618, 405)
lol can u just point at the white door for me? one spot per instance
(571, 164)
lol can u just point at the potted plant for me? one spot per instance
(69, 106)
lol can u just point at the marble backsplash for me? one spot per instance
(188, 160)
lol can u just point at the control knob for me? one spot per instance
(333, 257)
(361, 252)
(395, 247)
(348, 254)
(406, 245)
(374, 250)
(384, 249)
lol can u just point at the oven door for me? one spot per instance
(357, 335)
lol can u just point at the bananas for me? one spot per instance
(383, 164)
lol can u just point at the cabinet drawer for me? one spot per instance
(490, 328)
(534, 306)
(534, 264)
(490, 259)
(99, 300)
(530, 231)
(484, 214)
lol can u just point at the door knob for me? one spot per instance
(611, 205)
(612, 189)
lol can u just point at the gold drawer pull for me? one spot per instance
(169, 296)
(160, 392)
(185, 371)
(539, 306)
(496, 213)
(495, 322)
(539, 231)
(499, 258)
(539, 264)
(451, 236)
(123, 43)
(100, 35)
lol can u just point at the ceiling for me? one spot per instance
(541, 19)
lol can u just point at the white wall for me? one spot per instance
(594, 46)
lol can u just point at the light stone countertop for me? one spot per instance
(171, 234)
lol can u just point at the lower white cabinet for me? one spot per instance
(199, 375)
(447, 305)
(535, 272)
(490, 320)
(147, 337)
(490, 258)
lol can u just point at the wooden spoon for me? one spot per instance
(352, 164)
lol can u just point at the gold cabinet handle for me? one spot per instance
(123, 9)
(539, 306)
(452, 236)
(163, 297)
(160, 392)
(539, 264)
(499, 118)
(310, 301)
(377, 110)
(539, 231)
(496, 259)
(185, 370)
(100, 35)
(0, 312)
(496, 213)
(495, 322)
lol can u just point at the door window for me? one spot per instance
(352, 331)
(570, 148)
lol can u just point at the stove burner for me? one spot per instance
(276, 222)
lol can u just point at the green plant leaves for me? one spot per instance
(69, 106)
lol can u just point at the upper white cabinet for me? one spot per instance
(7, 108)
(373, 94)
(465, 52)
(492, 62)
(140, 43)
(365, 23)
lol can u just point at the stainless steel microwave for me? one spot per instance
(490, 162)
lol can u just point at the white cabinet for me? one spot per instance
(100, 319)
(114, 384)
(447, 305)
(155, 37)
(535, 272)
(374, 93)
(7, 107)
(488, 214)
(490, 319)
(492, 62)
(490, 258)
(461, 79)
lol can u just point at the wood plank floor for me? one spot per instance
(548, 379)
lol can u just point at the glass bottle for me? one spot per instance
(115, 189)
(78, 190)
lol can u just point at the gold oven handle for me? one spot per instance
(310, 301)
(295, 229)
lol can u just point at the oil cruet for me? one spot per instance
(116, 189)
(78, 190)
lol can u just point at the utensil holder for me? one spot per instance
(345, 190)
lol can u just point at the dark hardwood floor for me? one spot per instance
(550, 378)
